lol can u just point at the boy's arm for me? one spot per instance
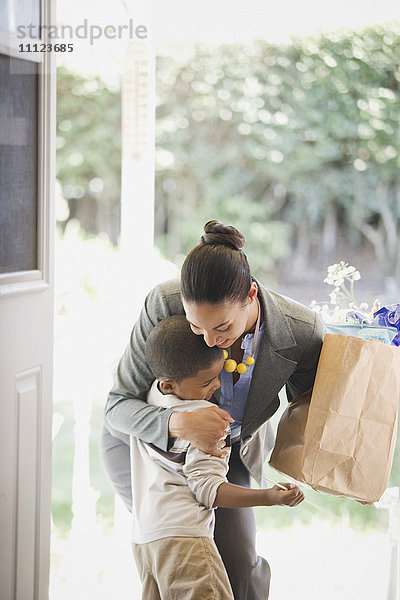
(235, 496)
(206, 477)
(204, 474)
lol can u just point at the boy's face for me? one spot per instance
(199, 387)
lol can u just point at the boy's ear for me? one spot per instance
(167, 386)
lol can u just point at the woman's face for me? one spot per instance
(222, 324)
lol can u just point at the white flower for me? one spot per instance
(363, 306)
(341, 277)
(376, 305)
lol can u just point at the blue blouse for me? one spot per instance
(233, 398)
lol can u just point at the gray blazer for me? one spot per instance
(288, 355)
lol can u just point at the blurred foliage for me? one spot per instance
(88, 271)
(297, 144)
(88, 145)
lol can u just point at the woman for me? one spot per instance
(279, 339)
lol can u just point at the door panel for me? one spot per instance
(27, 172)
(27, 450)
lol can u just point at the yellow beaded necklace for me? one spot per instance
(231, 365)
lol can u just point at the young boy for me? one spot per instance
(175, 492)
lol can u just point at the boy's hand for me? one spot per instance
(292, 496)
(205, 428)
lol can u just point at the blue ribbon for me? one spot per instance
(389, 316)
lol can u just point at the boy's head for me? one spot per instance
(182, 361)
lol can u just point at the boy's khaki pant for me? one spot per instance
(182, 568)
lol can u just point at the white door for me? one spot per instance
(27, 131)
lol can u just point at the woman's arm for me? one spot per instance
(126, 408)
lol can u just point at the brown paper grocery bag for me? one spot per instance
(287, 455)
(349, 433)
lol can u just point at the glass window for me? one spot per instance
(23, 13)
(18, 165)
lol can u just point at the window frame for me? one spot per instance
(37, 279)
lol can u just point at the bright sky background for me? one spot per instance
(213, 21)
(276, 21)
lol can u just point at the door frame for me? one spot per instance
(32, 383)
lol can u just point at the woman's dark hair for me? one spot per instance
(216, 270)
(175, 352)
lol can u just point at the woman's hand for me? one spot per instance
(205, 428)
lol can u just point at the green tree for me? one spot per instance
(297, 143)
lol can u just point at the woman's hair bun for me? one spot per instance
(216, 232)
